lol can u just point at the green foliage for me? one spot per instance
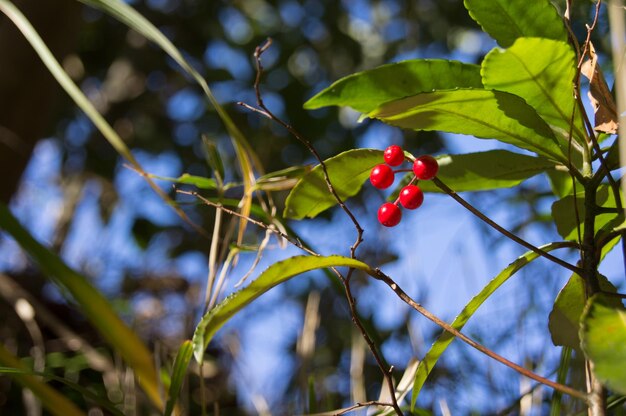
(603, 335)
(485, 114)
(52, 400)
(541, 72)
(564, 322)
(347, 172)
(568, 223)
(508, 20)
(274, 275)
(179, 372)
(92, 303)
(367, 90)
(481, 171)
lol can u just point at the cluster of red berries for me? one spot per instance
(411, 196)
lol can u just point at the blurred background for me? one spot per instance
(74, 193)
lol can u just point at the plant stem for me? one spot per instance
(502, 230)
(423, 311)
(589, 259)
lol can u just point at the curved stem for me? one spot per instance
(423, 311)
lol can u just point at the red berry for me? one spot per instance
(425, 167)
(389, 214)
(394, 155)
(411, 197)
(382, 176)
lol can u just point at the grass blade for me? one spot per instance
(179, 370)
(95, 307)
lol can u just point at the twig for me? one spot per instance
(423, 311)
(266, 112)
(502, 230)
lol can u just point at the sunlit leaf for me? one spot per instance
(441, 344)
(564, 322)
(95, 307)
(274, 275)
(347, 172)
(507, 20)
(365, 91)
(179, 371)
(482, 113)
(492, 169)
(603, 336)
(55, 402)
(541, 71)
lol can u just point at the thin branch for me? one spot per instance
(266, 112)
(423, 311)
(502, 230)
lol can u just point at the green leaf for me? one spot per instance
(55, 402)
(481, 113)
(364, 91)
(561, 183)
(347, 172)
(564, 321)
(187, 179)
(179, 370)
(481, 171)
(541, 71)
(282, 179)
(507, 20)
(274, 275)
(427, 364)
(564, 213)
(95, 306)
(603, 335)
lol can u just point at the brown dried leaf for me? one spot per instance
(600, 95)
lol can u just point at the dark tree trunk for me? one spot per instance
(28, 92)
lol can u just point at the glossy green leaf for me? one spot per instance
(481, 171)
(274, 275)
(564, 321)
(55, 402)
(95, 307)
(481, 113)
(427, 364)
(564, 213)
(347, 172)
(541, 72)
(365, 91)
(603, 335)
(179, 371)
(507, 20)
